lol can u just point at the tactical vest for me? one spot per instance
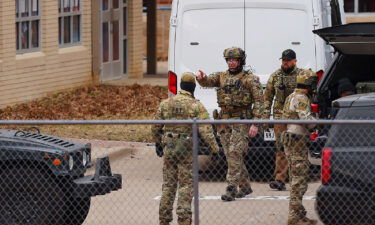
(290, 114)
(233, 93)
(285, 85)
(179, 109)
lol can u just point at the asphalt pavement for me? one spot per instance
(137, 202)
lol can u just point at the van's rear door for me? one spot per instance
(273, 26)
(351, 39)
(203, 32)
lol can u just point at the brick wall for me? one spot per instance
(28, 76)
(360, 19)
(135, 45)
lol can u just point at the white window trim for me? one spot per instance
(70, 14)
(29, 19)
(126, 37)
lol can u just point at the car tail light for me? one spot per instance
(326, 165)
(315, 107)
(320, 74)
(172, 82)
(314, 135)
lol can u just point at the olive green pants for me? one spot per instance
(297, 154)
(235, 144)
(281, 162)
(177, 173)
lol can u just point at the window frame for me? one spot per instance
(356, 11)
(30, 18)
(71, 14)
(125, 37)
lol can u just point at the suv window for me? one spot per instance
(353, 135)
(354, 67)
(357, 68)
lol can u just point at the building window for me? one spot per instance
(27, 25)
(359, 6)
(70, 17)
(366, 6)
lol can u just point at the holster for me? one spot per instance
(219, 127)
(295, 137)
(288, 138)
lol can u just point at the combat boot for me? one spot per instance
(184, 222)
(164, 223)
(243, 192)
(230, 194)
(305, 221)
(278, 185)
(310, 221)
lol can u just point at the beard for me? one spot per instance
(288, 70)
(235, 71)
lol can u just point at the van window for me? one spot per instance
(205, 34)
(278, 30)
(201, 40)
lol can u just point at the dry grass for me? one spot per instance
(102, 102)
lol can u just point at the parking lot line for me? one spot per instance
(283, 197)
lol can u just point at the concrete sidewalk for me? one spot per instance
(158, 79)
(113, 149)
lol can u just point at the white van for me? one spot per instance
(200, 30)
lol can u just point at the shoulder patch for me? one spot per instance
(302, 105)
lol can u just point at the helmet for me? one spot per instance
(188, 77)
(234, 52)
(307, 79)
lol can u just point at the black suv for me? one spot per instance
(42, 179)
(346, 195)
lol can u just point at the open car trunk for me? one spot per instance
(355, 58)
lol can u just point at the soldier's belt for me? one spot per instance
(227, 115)
(294, 136)
(228, 109)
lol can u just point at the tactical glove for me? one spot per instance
(214, 156)
(159, 149)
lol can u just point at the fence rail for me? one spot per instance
(52, 180)
(149, 122)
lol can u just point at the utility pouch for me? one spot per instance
(283, 138)
(280, 95)
(247, 99)
(215, 114)
(167, 139)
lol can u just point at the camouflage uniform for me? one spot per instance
(279, 86)
(240, 97)
(178, 157)
(297, 106)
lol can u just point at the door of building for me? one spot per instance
(113, 39)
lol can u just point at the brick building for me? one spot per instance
(51, 45)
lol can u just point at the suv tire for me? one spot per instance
(29, 195)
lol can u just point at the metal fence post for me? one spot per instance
(195, 172)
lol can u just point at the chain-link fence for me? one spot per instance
(51, 180)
